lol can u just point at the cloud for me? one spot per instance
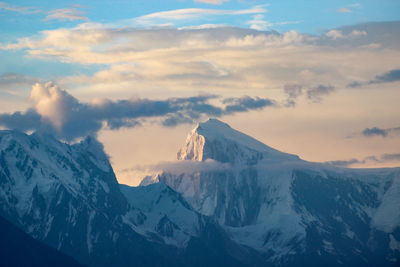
(355, 84)
(165, 17)
(316, 93)
(338, 34)
(375, 131)
(61, 114)
(19, 9)
(218, 58)
(344, 10)
(385, 158)
(390, 157)
(21, 121)
(213, 2)
(293, 91)
(246, 103)
(388, 77)
(344, 163)
(232, 106)
(259, 23)
(14, 83)
(53, 104)
(66, 14)
(62, 14)
(182, 166)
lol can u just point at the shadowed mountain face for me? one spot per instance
(264, 207)
(19, 249)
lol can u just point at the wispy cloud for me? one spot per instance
(13, 83)
(66, 14)
(213, 2)
(258, 22)
(385, 158)
(19, 9)
(338, 34)
(344, 10)
(348, 8)
(62, 14)
(192, 13)
(181, 166)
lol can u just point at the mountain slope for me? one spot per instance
(158, 212)
(14, 243)
(290, 210)
(67, 196)
(261, 207)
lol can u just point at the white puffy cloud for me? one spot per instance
(52, 103)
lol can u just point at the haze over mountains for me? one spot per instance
(244, 204)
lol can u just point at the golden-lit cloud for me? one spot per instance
(217, 58)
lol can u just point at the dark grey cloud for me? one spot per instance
(21, 121)
(391, 157)
(387, 77)
(316, 93)
(385, 158)
(245, 103)
(73, 119)
(390, 76)
(355, 84)
(231, 106)
(375, 131)
(345, 163)
(293, 91)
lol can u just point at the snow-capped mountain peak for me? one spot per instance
(216, 140)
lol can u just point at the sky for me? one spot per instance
(320, 79)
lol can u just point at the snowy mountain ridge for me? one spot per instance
(67, 197)
(216, 140)
(240, 203)
(268, 199)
